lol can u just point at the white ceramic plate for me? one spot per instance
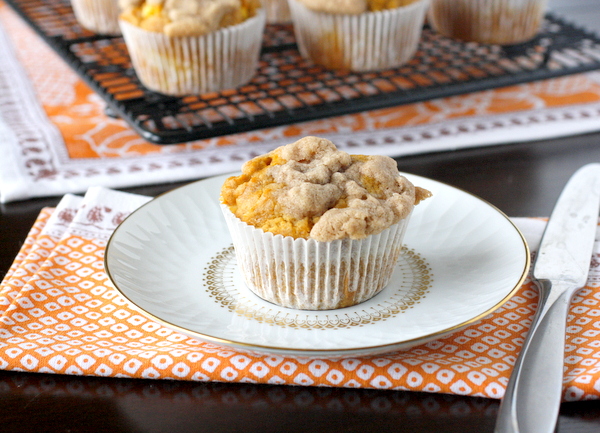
(173, 260)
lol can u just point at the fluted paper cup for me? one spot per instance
(99, 16)
(223, 59)
(311, 275)
(366, 42)
(503, 22)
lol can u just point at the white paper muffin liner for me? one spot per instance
(503, 22)
(224, 59)
(99, 16)
(311, 275)
(277, 11)
(366, 42)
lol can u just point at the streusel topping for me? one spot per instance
(353, 7)
(186, 17)
(310, 189)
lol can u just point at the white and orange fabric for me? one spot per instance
(55, 137)
(60, 314)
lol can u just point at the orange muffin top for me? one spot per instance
(186, 17)
(310, 189)
(353, 7)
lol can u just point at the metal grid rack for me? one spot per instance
(288, 89)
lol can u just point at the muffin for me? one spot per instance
(316, 228)
(99, 16)
(358, 35)
(180, 47)
(503, 22)
(278, 11)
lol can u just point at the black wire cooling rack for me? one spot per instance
(288, 89)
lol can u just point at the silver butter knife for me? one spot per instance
(533, 394)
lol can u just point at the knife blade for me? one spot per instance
(532, 399)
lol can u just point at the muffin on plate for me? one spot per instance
(180, 47)
(99, 16)
(316, 228)
(358, 35)
(503, 22)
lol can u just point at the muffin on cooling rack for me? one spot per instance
(99, 16)
(358, 35)
(315, 228)
(278, 11)
(503, 22)
(180, 47)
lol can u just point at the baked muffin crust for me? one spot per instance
(186, 17)
(353, 7)
(310, 189)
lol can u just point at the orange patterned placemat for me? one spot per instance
(57, 139)
(59, 314)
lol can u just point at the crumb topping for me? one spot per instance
(310, 189)
(186, 17)
(353, 7)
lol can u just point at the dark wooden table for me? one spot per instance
(522, 179)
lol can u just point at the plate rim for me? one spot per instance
(339, 352)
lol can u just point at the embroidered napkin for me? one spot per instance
(55, 137)
(60, 314)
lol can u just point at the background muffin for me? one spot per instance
(503, 22)
(99, 16)
(317, 228)
(358, 35)
(179, 47)
(277, 11)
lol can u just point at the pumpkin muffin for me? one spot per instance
(358, 35)
(278, 11)
(315, 227)
(503, 22)
(98, 16)
(180, 47)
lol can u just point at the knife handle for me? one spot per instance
(533, 394)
